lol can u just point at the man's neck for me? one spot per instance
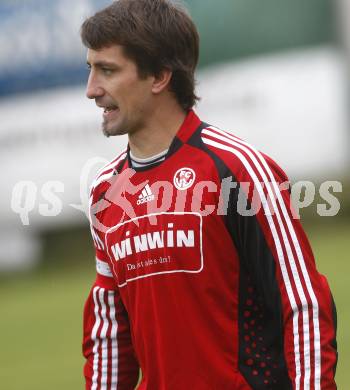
(159, 132)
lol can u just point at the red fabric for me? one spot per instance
(175, 279)
(122, 370)
(308, 287)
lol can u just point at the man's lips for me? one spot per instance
(110, 108)
(110, 112)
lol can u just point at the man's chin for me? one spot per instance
(106, 132)
(110, 131)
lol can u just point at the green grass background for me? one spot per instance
(41, 312)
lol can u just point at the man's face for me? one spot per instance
(115, 85)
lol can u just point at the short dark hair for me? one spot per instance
(156, 35)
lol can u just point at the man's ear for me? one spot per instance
(161, 81)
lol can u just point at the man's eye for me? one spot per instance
(107, 71)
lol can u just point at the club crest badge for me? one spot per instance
(184, 178)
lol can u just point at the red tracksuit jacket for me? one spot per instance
(204, 278)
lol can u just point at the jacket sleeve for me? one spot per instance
(286, 311)
(285, 305)
(275, 252)
(107, 343)
(107, 347)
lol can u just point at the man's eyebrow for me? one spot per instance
(103, 64)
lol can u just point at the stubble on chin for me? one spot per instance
(112, 130)
(108, 131)
(105, 129)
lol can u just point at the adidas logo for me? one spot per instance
(145, 196)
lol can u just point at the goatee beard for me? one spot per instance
(104, 129)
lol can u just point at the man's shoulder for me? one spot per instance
(239, 156)
(105, 174)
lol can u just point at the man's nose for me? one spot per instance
(93, 89)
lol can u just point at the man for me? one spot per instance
(193, 289)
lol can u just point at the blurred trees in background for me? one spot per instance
(231, 29)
